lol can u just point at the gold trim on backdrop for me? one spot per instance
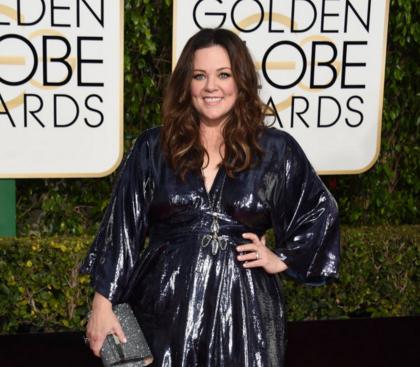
(381, 91)
(381, 102)
(45, 32)
(285, 104)
(10, 12)
(13, 103)
(174, 34)
(12, 60)
(276, 65)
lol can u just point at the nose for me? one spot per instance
(211, 84)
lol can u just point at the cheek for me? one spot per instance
(195, 93)
(194, 89)
(233, 90)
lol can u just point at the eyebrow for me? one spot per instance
(225, 67)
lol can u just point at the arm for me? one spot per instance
(305, 221)
(113, 258)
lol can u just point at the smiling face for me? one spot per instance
(213, 88)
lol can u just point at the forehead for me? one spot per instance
(211, 57)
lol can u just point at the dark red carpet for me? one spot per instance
(393, 342)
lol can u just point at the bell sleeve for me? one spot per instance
(305, 220)
(113, 256)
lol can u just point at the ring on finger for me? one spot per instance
(257, 255)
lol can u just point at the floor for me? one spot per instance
(393, 342)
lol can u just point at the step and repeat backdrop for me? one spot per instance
(61, 87)
(321, 65)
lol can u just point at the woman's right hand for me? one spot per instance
(102, 322)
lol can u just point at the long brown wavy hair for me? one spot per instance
(180, 134)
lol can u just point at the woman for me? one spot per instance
(204, 188)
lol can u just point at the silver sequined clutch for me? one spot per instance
(135, 352)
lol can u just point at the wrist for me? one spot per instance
(281, 266)
(100, 302)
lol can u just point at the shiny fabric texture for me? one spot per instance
(199, 309)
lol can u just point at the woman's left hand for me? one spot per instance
(259, 255)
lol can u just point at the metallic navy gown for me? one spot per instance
(202, 309)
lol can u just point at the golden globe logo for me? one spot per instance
(60, 69)
(321, 65)
(46, 52)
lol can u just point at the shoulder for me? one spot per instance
(148, 138)
(274, 133)
(149, 135)
(280, 145)
(145, 146)
(280, 139)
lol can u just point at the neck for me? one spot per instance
(211, 136)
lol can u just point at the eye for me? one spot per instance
(224, 75)
(199, 77)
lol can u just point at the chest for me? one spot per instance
(246, 198)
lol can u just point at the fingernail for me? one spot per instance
(239, 249)
(125, 340)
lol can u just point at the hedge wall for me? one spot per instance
(40, 286)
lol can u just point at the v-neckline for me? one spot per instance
(216, 178)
